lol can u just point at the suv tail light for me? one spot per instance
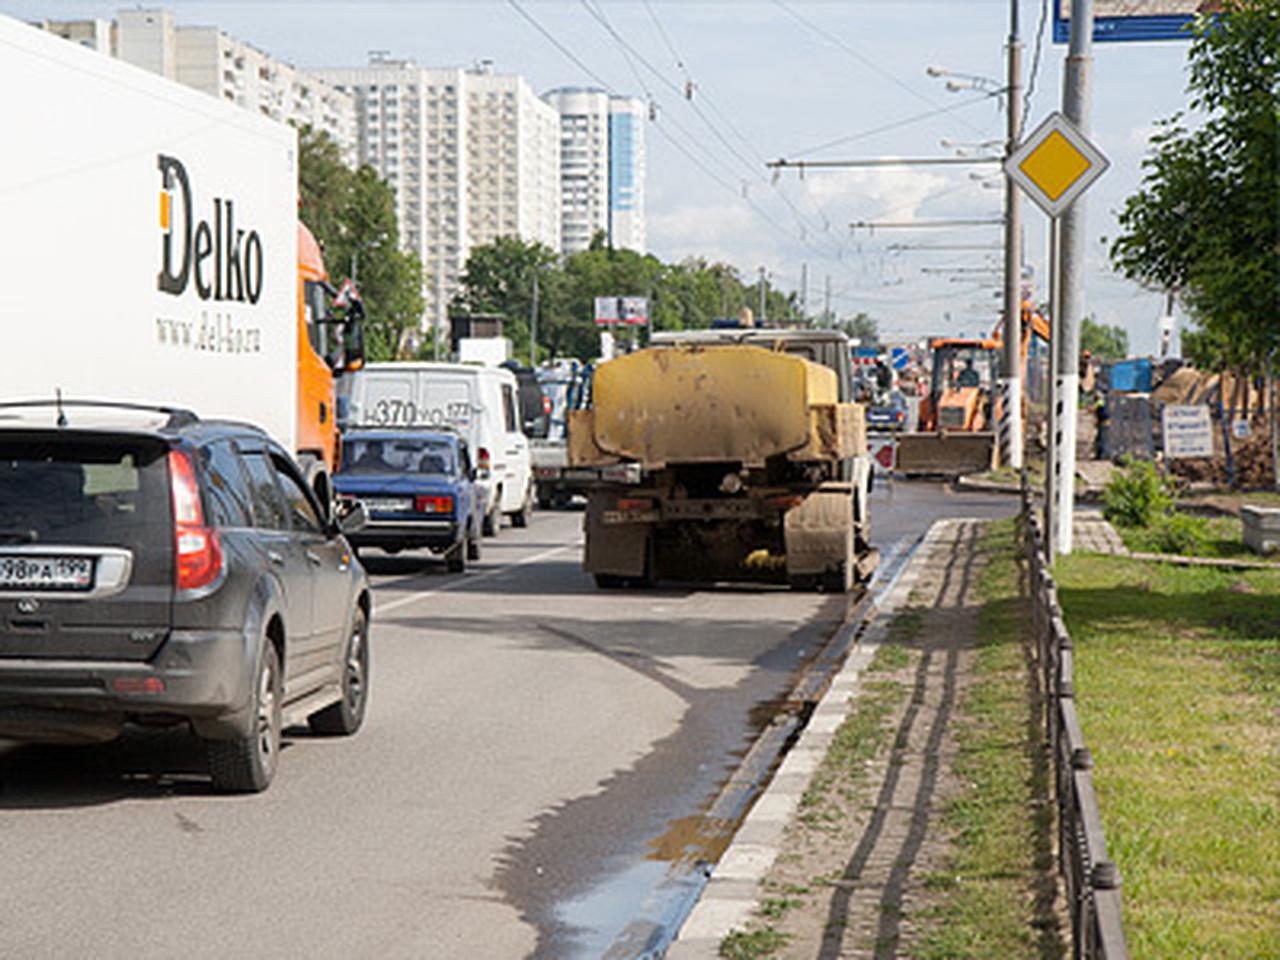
(198, 549)
(482, 462)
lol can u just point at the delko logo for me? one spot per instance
(224, 261)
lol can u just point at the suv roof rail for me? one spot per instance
(178, 416)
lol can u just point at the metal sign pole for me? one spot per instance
(1051, 458)
(1075, 104)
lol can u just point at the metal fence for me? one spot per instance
(1092, 881)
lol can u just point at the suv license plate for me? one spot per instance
(388, 504)
(45, 573)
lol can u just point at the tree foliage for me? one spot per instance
(862, 328)
(691, 294)
(352, 214)
(1206, 221)
(1102, 341)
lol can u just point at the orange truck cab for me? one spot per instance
(328, 346)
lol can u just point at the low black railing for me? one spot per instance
(1091, 880)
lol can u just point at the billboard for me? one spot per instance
(1131, 20)
(630, 311)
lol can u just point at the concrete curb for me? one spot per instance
(732, 894)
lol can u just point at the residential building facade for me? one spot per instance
(626, 173)
(602, 167)
(470, 154)
(213, 61)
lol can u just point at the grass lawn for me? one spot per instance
(1178, 689)
(1223, 538)
(996, 897)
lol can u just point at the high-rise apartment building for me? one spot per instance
(213, 61)
(626, 173)
(602, 166)
(584, 163)
(471, 155)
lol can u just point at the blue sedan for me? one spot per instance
(418, 488)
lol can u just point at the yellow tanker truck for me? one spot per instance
(722, 460)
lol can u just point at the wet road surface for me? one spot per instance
(536, 755)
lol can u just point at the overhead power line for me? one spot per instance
(863, 58)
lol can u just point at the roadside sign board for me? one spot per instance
(883, 448)
(606, 311)
(634, 310)
(1056, 164)
(1188, 431)
(1133, 20)
(631, 311)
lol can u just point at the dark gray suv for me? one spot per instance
(156, 568)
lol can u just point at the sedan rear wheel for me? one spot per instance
(456, 559)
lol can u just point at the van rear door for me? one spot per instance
(86, 545)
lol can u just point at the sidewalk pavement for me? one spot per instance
(892, 843)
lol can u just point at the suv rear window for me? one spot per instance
(96, 491)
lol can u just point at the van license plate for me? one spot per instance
(45, 573)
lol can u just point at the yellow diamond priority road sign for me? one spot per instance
(1055, 164)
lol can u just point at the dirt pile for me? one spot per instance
(1252, 459)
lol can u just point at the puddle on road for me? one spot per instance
(639, 893)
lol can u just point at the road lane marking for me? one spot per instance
(468, 580)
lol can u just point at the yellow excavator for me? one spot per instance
(959, 415)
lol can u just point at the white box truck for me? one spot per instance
(151, 248)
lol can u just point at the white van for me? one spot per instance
(480, 403)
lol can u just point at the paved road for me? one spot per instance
(535, 752)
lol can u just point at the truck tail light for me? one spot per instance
(197, 548)
(483, 460)
(433, 504)
(785, 502)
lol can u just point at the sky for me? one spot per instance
(795, 80)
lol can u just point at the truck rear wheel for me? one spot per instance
(838, 579)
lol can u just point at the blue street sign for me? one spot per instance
(1118, 21)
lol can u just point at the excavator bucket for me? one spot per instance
(946, 454)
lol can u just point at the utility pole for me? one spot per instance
(826, 303)
(1010, 425)
(804, 292)
(1076, 99)
(533, 325)
(439, 316)
(760, 322)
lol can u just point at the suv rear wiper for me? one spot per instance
(18, 536)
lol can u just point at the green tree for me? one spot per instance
(352, 215)
(1206, 222)
(498, 278)
(860, 327)
(1104, 342)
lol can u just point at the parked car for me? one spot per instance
(418, 488)
(887, 411)
(157, 568)
(479, 403)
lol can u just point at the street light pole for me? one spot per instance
(533, 325)
(1011, 425)
(763, 317)
(1076, 97)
